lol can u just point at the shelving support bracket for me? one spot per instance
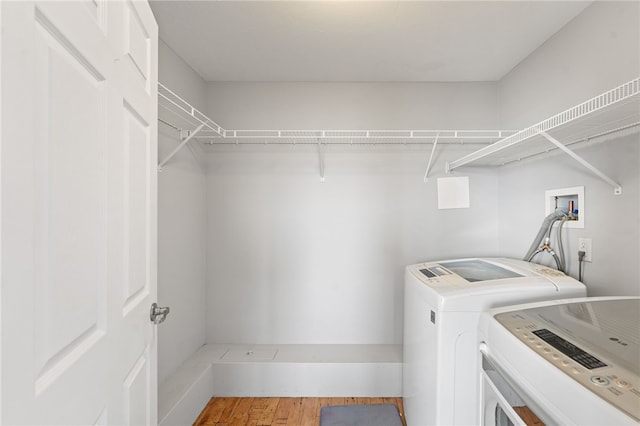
(179, 147)
(321, 161)
(617, 189)
(433, 150)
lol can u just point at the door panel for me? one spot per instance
(71, 245)
(136, 387)
(78, 213)
(137, 147)
(137, 44)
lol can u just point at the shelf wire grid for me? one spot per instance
(603, 117)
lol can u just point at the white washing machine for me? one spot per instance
(573, 362)
(442, 304)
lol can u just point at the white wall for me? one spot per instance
(598, 50)
(293, 260)
(611, 221)
(181, 224)
(180, 78)
(296, 261)
(354, 105)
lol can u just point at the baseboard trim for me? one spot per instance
(279, 370)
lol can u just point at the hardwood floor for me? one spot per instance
(231, 411)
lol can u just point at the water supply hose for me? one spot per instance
(545, 231)
(546, 246)
(563, 262)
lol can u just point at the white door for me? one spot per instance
(78, 212)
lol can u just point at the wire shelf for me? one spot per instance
(353, 137)
(179, 114)
(603, 117)
(182, 116)
(606, 116)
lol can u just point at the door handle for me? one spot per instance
(158, 314)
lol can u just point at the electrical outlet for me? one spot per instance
(584, 244)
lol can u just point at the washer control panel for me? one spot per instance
(616, 384)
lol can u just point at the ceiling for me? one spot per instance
(358, 41)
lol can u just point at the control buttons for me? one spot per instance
(588, 361)
(546, 350)
(623, 384)
(555, 356)
(565, 363)
(600, 381)
(574, 370)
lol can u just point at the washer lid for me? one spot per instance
(474, 270)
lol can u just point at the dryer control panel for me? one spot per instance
(594, 344)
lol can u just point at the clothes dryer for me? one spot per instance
(442, 304)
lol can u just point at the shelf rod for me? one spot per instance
(179, 147)
(435, 144)
(617, 189)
